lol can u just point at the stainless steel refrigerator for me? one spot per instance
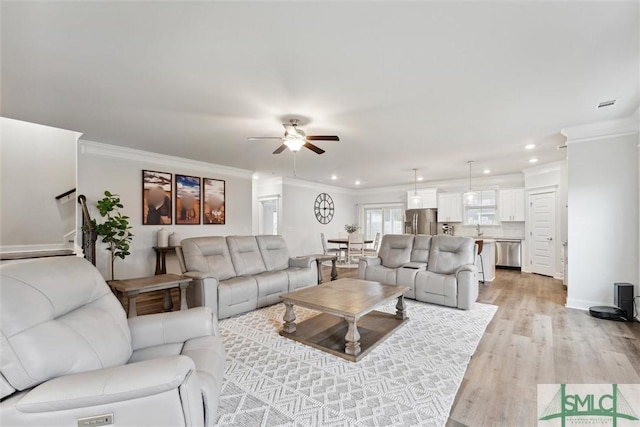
(421, 221)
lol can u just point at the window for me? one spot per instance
(383, 220)
(485, 212)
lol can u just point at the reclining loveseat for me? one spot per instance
(437, 269)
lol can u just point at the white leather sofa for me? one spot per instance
(437, 269)
(68, 353)
(236, 274)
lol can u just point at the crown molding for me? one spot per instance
(317, 186)
(546, 168)
(132, 154)
(599, 130)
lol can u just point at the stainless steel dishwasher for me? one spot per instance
(508, 253)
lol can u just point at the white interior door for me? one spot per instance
(542, 214)
(268, 216)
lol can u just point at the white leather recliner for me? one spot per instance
(68, 353)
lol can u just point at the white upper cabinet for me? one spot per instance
(422, 199)
(512, 205)
(450, 207)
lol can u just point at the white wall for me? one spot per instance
(300, 228)
(551, 176)
(38, 163)
(119, 170)
(603, 217)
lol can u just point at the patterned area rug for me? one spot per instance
(409, 379)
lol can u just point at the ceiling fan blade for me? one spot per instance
(280, 149)
(323, 138)
(256, 138)
(313, 148)
(290, 129)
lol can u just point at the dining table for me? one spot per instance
(343, 243)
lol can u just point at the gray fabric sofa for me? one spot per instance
(437, 269)
(236, 274)
(69, 352)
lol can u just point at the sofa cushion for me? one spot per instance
(48, 332)
(421, 246)
(237, 295)
(275, 253)
(382, 274)
(208, 255)
(395, 249)
(448, 253)
(245, 255)
(436, 288)
(271, 285)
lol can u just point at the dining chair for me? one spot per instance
(327, 250)
(376, 246)
(355, 248)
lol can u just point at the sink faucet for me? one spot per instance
(478, 230)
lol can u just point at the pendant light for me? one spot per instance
(470, 197)
(416, 201)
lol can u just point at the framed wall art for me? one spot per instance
(214, 201)
(156, 198)
(187, 199)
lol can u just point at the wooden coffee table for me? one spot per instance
(348, 326)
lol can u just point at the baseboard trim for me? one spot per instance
(583, 304)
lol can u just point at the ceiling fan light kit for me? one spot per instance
(295, 138)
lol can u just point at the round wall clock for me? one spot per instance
(324, 208)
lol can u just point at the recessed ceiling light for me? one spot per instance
(534, 160)
(357, 182)
(486, 171)
(255, 176)
(530, 146)
(420, 178)
(333, 177)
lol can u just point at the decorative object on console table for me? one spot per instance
(214, 201)
(131, 288)
(351, 228)
(156, 198)
(187, 200)
(162, 238)
(115, 230)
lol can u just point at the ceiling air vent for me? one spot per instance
(606, 103)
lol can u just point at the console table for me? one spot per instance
(161, 258)
(131, 288)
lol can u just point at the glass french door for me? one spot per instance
(383, 220)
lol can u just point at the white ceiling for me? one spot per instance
(428, 85)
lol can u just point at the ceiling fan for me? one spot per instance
(295, 138)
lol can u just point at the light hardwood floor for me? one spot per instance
(533, 339)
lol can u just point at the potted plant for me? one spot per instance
(351, 228)
(115, 229)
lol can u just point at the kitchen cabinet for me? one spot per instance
(450, 207)
(422, 199)
(511, 205)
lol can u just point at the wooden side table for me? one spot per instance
(319, 260)
(161, 268)
(161, 258)
(131, 288)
